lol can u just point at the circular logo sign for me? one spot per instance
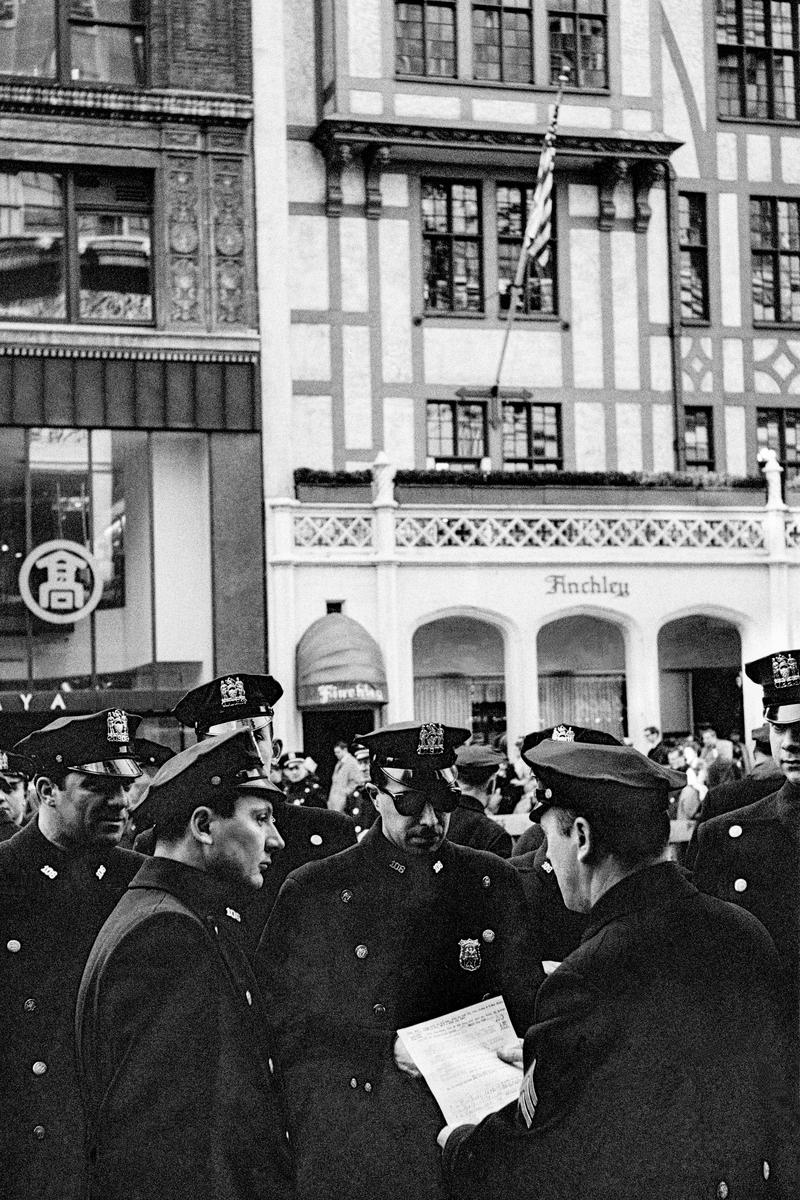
(60, 583)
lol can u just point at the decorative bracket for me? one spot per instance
(644, 176)
(337, 156)
(611, 174)
(376, 159)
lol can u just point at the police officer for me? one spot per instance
(654, 1066)
(751, 856)
(60, 876)
(358, 802)
(247, 702)
(172, 1049)
(300, 783)
(469, 824)
(403, 927)
(150, 756)
(559, 928)
(15, 774)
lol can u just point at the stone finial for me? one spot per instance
(773, 470)
(383, 473)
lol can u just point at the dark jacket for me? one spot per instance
(173, 1053)
(307, 791)
(558, 929)
(654, 1066)
(359, 807)
(470, 826)
(7, 828)
(751, 856)
(739, 793)
(357, 947)
(52, 903)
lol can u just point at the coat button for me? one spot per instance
(38, 1132)
(249, 997)
(367, 1087)
(488, 935)
(486, 881)
(39, 1068)
(358, 829)
(765, 1169)
(30, 1006)
(740, 885)
(354, 1082)
(361, 951)
(735, 831)
(722, 1190)
(379, 1010)
(346, 896)
(13, 946)
(271, 1066)
(315, 839)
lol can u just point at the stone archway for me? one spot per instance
(699, 663)
(459, 675)
(582, 673)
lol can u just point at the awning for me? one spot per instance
(339, 665)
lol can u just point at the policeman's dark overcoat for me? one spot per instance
(751, 856)
(737, 793)
(307, 791)
(52, 904)
(558, 928)
(173, 1051)
(358, 946)
(654, 1067)
(470, 826)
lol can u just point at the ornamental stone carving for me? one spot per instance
(228, 217)
(183, 240)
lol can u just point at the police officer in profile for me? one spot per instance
(60, 877)
(751, 856)
(15, 774)
(247, 702)
(655, 1063)
(401, 928)
(469, 824)
(173, 1055)
(151, 757)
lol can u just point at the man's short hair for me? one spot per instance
(173, 825)
(341, 742)
(615, 834)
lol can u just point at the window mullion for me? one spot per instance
(64, 69)
(71, 246)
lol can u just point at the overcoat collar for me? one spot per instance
(650, 887)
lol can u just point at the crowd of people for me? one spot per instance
(208, 957)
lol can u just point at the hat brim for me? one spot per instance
(781, 714)
(117, 768)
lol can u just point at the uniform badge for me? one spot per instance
(234, 915)
(231, 691)
(469, 958)
(3, 761)
(563, 733)
(784, 671)
(431, 738)
(117, 726)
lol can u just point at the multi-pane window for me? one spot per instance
(74, 41)
(699, 440)
(531, 437)
(456, 434)
(579, 40)
(502, 41)
(539, 294)
(425, 38)
(75, 245)
(451, 246)
(778, 429)
(775, 251)
(694, 256)
(758, 51)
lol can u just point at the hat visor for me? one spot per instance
(258, 783)
(120, 768)
(257, 721)
(782, 714)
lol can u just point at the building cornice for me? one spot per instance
(123, 104)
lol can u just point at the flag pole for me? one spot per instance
(522, 264)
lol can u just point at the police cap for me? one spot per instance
(151, 755)
(98, 744)
(779, 676)
(565, 733)
(229, 702)
(409, 757)
(597, 778)
(213, 769)
(476, 764)
(15, 766)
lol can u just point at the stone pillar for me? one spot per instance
(522, 685)
(386, 581)
(642, 676)
(281, 618)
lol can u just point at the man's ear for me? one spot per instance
(200, 825)
(582, 832)
(45, 789)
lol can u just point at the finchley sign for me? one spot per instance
(591, 585)
(320, 695)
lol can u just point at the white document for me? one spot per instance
(457, 1054)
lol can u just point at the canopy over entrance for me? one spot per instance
(339, 665)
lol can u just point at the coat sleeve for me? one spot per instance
(706, 863)
(522, 959)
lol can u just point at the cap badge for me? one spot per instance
(431, 739)
(563, 733)
(3, 761)
(469, 958)
(232, 691)
(117, 722)
(784, 671)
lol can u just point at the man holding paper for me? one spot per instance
(656, 1064)
(402, 928)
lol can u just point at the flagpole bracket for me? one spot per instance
(645, 175)
(610, 174)
(376, 159)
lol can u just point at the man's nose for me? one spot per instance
(272, 839)
(118, 798)
(428, 816)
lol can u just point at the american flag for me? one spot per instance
(536, 243)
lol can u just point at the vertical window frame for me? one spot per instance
(578, 11)
(694, 463)
(525, 309)
(451, 238)
(747, 53)
(503, 8)
(456, 461)
(63, 24)
(776, 255)
(535, 464)
(695, 252)
(790, 464)
(425, 6)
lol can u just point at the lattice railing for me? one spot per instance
(793, 532)
(323, 531)
(596, 531)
